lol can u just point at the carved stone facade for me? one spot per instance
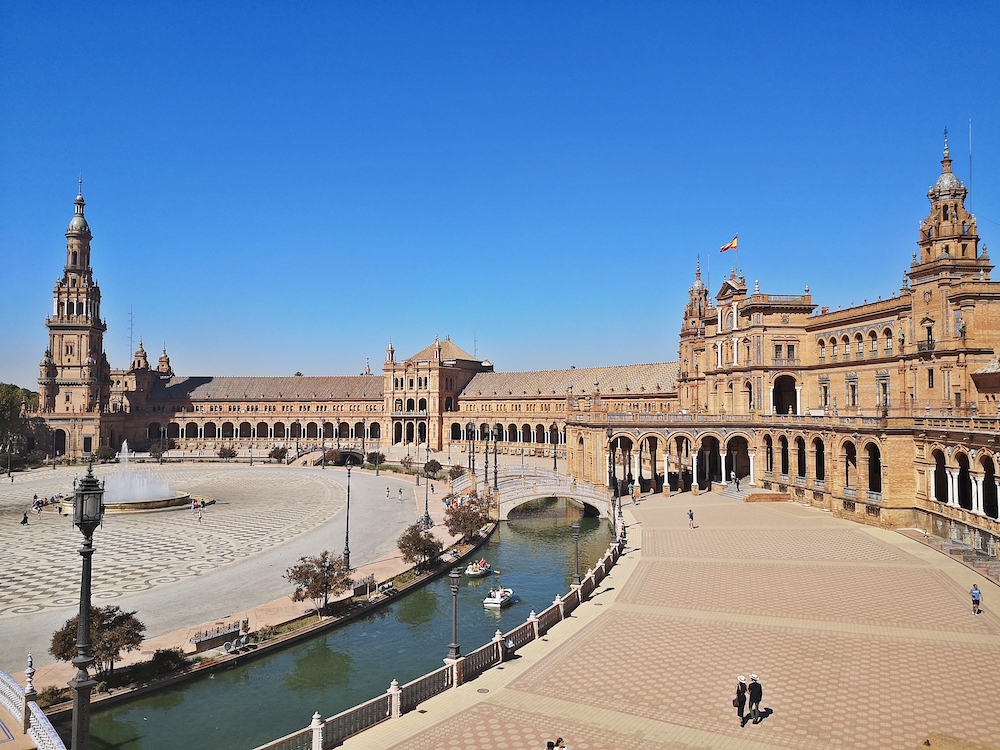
(886, 412)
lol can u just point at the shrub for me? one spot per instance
(278, 453)
(455, 472)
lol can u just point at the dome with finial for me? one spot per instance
(78, 224)
(948, 184)
(699, 285)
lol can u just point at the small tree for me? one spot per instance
(418, 546)
(318, 577)
(375, 458)
(406, 463)
(112, 632)
(431, 468)
(104, 453)
(335, 456)
(468, 517)
(226, 453)
(455, 472)
(156, 450)
(278, 453)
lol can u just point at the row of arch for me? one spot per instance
(859, 342)
(957, 486)
(512, 433)
(264, 430)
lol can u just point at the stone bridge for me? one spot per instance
(517, 485)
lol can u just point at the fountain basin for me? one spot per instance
(179, 501)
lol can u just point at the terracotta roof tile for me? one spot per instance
(616, 380)
(287, 388)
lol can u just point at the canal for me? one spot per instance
(267, 698)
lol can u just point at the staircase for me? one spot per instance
(964, 553)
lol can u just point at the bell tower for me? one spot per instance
(74, 372)
(948, 240)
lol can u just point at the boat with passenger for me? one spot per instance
(499, 597)
(478, 568)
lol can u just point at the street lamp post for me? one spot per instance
(576, 544)
(454, 648)
(88, 509)
(486, 458)
(555, 446)
(426, 520)
(418, 462)
(250, 449)
(376, 459)
(496, 439)
(347, 528)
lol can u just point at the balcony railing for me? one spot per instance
(925, 346)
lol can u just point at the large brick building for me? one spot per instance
(886, 412)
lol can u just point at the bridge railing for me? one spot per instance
(40, 730)
(400, 700)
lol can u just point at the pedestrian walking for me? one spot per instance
(756, 692)
(201, 514)
(386, 493)
(977, 597)
(560, 745)
(740, 701)
(690, 518)
(24, 521)
(737, 483)
(400, 493)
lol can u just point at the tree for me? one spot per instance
(418, 546)
(104, 453)
(374, 458)
(11, 400)
(156, 450)
(455, 472)
(278, 453)
(318, 577)
(112, 632)
(468, 517)
(226, 453)
(406, 463)
(431, 468)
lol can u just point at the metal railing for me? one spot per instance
(348, 723)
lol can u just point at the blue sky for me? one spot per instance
(283, 187)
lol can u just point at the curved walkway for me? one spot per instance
(862, 638)
(172, 569)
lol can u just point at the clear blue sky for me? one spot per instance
(276, 187)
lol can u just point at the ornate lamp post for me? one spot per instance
(470, 431)
(486, 457)
(576, 544)
(454, 648)
(418, 462)
(88, 509)
(347, 528)
(376, 459)
(555, 447)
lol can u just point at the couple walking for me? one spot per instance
(755, 692)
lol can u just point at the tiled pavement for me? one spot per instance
(862, 638)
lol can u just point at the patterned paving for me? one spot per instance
(256, 510)
(860, 645)
(504, 728)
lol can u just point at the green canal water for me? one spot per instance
(251, 704)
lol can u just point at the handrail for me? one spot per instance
(400, 700)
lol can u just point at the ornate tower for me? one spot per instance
(692, 342)
(74, 373)
(948, 239)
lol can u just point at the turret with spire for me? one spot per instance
(948, 235)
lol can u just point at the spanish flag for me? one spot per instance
(734, 245)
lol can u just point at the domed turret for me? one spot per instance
(78, 224)
(948, 185)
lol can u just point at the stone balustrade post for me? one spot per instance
(317, 731)
(394, 699)
(29, 696)
(559, 602)
(533, 619)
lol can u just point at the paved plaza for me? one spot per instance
(172, 569)
(862, 638)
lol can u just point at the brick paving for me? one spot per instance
(862, 638)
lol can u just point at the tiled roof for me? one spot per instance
(990, 368)
(288, 388)
(616, 380)
(448, 351)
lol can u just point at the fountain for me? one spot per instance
(130, 490)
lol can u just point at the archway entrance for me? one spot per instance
(989, 487)
(737, 458)
(940, 478)
(784, 395)
(964, 482)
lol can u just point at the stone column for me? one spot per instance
(798, 399)
(751, 481)
(694, 472)
(977, 495)
(952, 488)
